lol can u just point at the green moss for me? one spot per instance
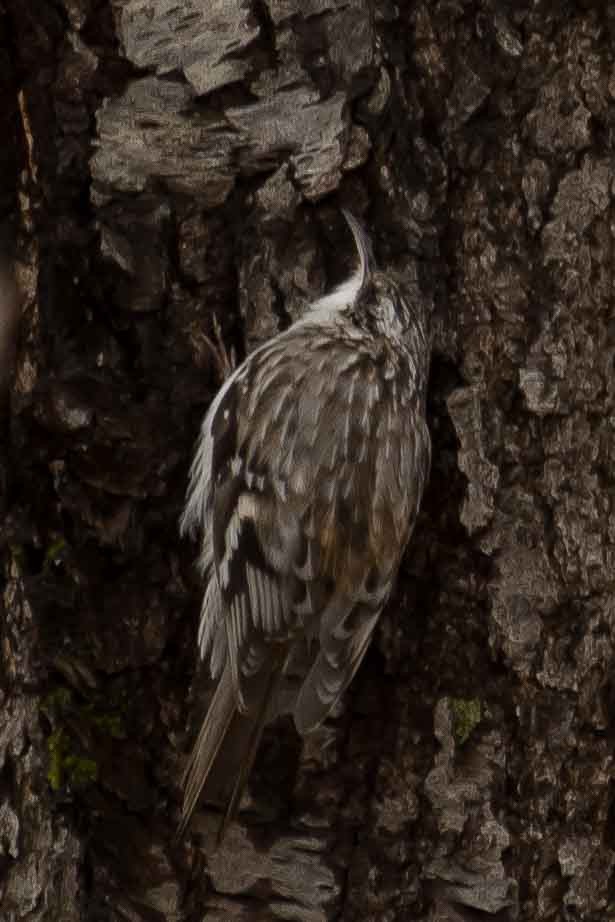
(80, 771)
(467, 714)
(73, 721)
(60, 704)
(111, 724)
(57, 701)
(54, 550)
(82, 722)
(66, 767)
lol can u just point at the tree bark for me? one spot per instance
(170, 188)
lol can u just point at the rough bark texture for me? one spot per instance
(171, 173)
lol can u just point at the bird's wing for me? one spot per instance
(316, 477)
(401, 452)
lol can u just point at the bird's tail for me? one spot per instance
(223, 755)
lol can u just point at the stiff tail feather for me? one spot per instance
(256, 731)
(223, 755)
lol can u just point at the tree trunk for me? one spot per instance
(170, 186)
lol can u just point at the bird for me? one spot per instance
(305, 487)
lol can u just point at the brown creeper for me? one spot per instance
(306, 485)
